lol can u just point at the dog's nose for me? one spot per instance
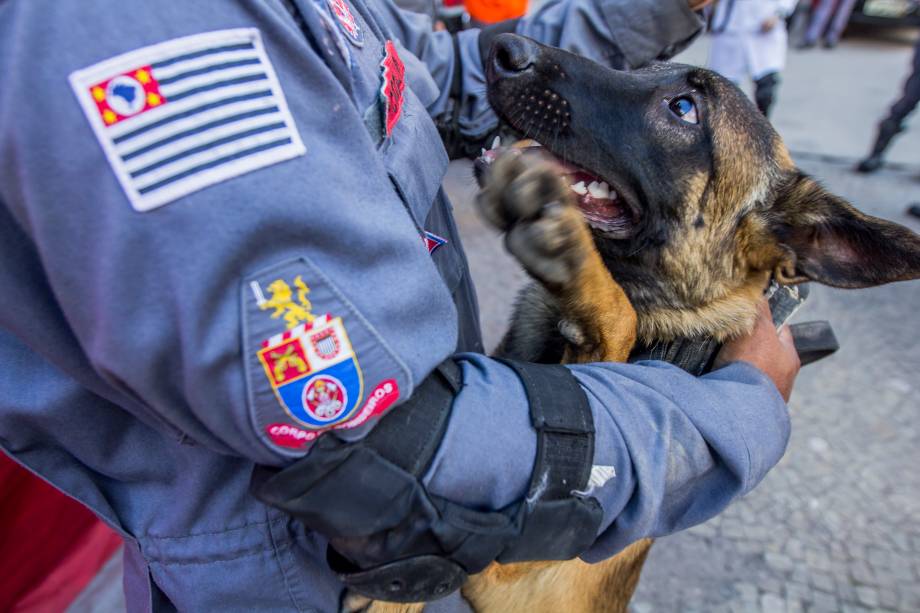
(512, 54)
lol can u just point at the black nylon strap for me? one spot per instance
(559, 523)
(560, 413)
(813, 340)
(410, 435)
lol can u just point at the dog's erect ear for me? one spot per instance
(829, 241)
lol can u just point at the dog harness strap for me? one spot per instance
(559, 520)
(813, 340)
(692, 355)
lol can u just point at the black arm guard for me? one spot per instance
(390, 539)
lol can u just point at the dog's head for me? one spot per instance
(693, 199)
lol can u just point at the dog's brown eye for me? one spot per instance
(685, 108)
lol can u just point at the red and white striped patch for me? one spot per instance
(296, 331)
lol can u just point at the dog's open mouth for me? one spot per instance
(603, 207)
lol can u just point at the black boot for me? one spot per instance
(886, 131)
(765, 92)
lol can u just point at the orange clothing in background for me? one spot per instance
(492, 11)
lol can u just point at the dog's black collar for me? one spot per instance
(813, 340)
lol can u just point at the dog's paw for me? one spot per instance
(573, 333)
(527, 197)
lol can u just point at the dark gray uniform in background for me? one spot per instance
(892, 125)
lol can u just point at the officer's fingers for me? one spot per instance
(788, 344)
(786, 363)
(764, 330)
(785, 337)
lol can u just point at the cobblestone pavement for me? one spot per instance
(836, 526)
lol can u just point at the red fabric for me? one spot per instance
(52, 546)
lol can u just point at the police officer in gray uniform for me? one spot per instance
(893, 124)
(224, 245)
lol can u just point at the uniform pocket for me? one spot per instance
(313, 363)
(415, 158)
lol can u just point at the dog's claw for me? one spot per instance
(572, 332)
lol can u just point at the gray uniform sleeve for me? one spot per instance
(671, 450)
(172, 305)
(617, 33)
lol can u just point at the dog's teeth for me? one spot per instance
(612, 193)
(601, 191)
(483, 153)
(579, 188)
(496, 142)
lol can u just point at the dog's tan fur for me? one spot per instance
(550, 587)
(719, 290)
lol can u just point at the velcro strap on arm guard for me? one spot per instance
(392, 540)
(559, 522)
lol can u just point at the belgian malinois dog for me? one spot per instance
(661, 207)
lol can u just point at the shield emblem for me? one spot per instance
(314, 372)
(325, 343)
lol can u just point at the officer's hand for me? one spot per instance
(769, 24)
(772, 353)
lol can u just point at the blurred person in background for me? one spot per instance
(425, 7)
(889, 127)
(828, 19)
(485, 12)
(749, 40)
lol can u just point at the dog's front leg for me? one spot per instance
(526, 196)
